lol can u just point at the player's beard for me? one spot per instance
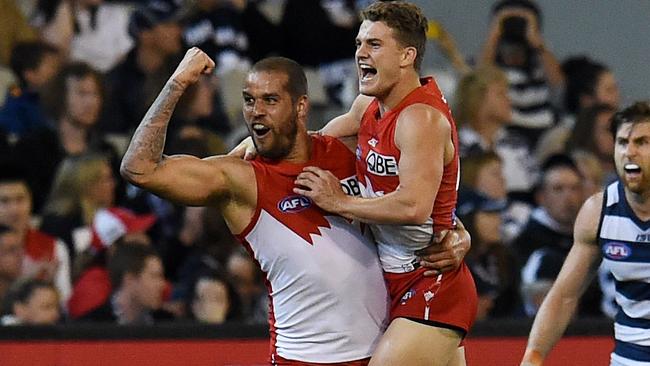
(639, 187)
(283, 141)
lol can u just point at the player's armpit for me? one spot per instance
(348, 123)
(350, 142)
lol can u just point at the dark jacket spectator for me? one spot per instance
(34, 64)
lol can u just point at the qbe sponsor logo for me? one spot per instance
(350, 186)
(383, 165)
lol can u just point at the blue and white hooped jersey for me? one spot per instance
(625, 243)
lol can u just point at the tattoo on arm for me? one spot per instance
(146, 147)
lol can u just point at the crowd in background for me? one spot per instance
(76, 76)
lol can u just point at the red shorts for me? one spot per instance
(279, 361)
(449, 300)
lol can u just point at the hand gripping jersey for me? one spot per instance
(328, 300)
(625, 243)
(377, 168)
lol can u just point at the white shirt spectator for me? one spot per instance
(103, 44)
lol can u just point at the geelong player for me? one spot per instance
(611, 226)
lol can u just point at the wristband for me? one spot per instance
(533, 358)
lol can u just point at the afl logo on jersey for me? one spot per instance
(382, 165)
(294, 204)
(616, 251)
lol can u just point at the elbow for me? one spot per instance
(416, 214)
(422, 218)
(131, 176)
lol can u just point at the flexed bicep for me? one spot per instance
(192, 181)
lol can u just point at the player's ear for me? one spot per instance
(408, 56)
(302, 106)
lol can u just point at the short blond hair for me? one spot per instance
(471, 91)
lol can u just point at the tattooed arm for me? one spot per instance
(182, 178)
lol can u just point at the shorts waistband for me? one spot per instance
(404, 268)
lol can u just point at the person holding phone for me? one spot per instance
(515, 44)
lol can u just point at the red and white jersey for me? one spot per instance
(377, 168)
(328, 300)
(39, 248)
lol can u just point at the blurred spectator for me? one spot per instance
(588, 132)
(234, 33)
(83, 185)
(111, 228)
(198, 108)
(550, 227)
(32, 302)
(134, 83)
(216, 27)
(589, 86)
(7, 80)
(13, 29)
(591, 170)
(203, 245)
(447, 45)
(136, 273)
(261, 19)
(114, 223)
(92, 31)
(76, 116)
(516, 45)
(482, 110)
(492, 265)
(453, 68)
(559, 197)
(246, 277)
(46, 257)
(92, 284)
(592, 134)
(54, 21)
(188, 240)
(483, 173)
(588, 83)
(537, 277)
(101, 36)
(548, 235)
(12, 256)
(214, 299)
(34, 64)
(334, 23)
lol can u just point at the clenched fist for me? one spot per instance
(194, 63)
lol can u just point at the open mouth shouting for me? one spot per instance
(632, 170)
(260, 130)
(367, 72)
